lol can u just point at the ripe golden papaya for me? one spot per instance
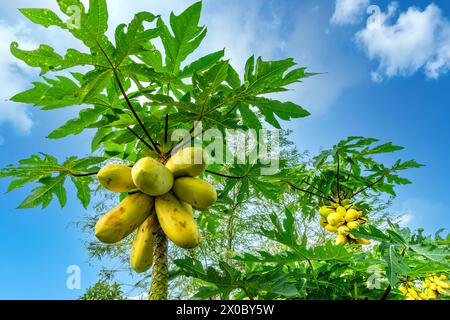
(341, 239)
(188, 162)
(343, 230)
(116, 178)
(335, 219)
(351, 215)
(198, 193)
(431, 293)
(363, 241)
(187, 206)
(341, 210)
(152, 177)
(323, 222)
(141, 256)
(124, 219)
(324, 211)
(353, 225)
(331, 228)
(177, 223)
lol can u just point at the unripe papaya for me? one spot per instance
(188, 162)
(198, 193)
(341, 239)
(177, 223)
(335, 219)
(324, 211)
(124, 219)
(116, 178)
(152, 177)
(141, 257)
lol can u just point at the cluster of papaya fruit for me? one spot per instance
(157, 194)
(340, 217)
(431, 288)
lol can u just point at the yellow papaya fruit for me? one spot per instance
(188, 162)
(187, 206)
(331, 228)
(343, 230)
(440, 283)
(152, 177)
(363, 241)
(423, 296)
(403, 290)
(141, 256)
(198, 193)
(431, 293)
(324, 211)
(353, 225)
(177, 222)
(346, 202)
(351, 215)
(116, 178)
(341, 239)
(323, 222)
(341, 210)
(124, 218)
(443, 277)
(335, 219)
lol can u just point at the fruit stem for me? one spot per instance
(160, 273)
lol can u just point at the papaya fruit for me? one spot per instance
(324, 211)
(335, 219)
(353, 225)
(341, 210)
(343, 230)
(187, 206)
(122, 220)
(152, 177)
(116, 178)
(177, 222)
(141, 256)
(323, 222)
(363, 241)
(341, 239)
(331, 228)
(198, 193)
(188, 162)
(351, 215)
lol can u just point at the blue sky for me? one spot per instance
(386, 78)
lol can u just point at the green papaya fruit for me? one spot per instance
(152, 177)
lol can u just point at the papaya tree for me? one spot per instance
(150, 110)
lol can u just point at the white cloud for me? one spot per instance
(11, 80)
(417, 40)
(349, 11)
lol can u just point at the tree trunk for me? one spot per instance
(160, 273)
